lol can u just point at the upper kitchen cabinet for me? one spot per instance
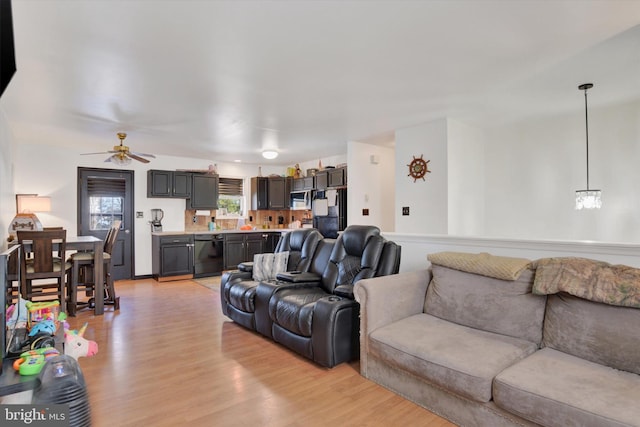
(302, 184)
(322, 180)
(270, 193)
(259, 193)
(337, 177)
(277, 193)
(168, 184)
(204, 192)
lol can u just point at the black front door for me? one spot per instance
(105, 195)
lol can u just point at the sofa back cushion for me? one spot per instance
(501, 306)
(601, 333)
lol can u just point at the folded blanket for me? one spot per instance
(589, 279)
(484, 264)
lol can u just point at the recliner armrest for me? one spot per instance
(246, 266)
(298, 276)
(345, 291)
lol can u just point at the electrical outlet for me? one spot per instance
(405, 210)
(365, 212)
(195, 219)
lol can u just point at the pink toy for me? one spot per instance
(76, 346)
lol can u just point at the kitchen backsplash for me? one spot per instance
(261, 219)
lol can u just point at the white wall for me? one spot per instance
(7, 195)
(427, 200)
(533, 170)
(466, 167)
(371, 185)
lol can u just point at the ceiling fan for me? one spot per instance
(121, 154)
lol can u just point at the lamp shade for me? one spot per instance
(29, 204)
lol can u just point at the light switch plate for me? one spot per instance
(139, 214)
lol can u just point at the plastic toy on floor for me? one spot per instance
(75, 345)
(31, 362)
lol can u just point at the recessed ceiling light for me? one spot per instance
(269, 154)
(238, 161)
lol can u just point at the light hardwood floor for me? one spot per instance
(169, 357)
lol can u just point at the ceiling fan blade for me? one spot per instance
(138, 158)
(142, 154)
(101, 152)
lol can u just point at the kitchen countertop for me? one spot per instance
(215, 232)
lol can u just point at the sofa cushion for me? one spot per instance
(242, 295)
(601, 333)
(502, 306)
(293, 309)
(267, 266)
(556, 389)
(459, 358)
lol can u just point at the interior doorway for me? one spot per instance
(106, 195)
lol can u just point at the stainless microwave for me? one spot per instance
(300, 200)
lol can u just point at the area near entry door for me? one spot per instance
(104, 196)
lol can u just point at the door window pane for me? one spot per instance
(103, 210)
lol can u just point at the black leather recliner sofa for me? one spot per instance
(314, 313)
(238, 289)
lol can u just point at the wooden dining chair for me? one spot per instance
(43, 268)
(81, 277)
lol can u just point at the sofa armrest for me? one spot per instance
(384, 300)
(335, 331)
(246, 266)
(227, 278)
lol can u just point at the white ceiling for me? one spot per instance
(222, 80)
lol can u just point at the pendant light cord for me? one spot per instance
(586, 121)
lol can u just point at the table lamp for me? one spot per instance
(26, 219)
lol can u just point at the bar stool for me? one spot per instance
(81, 277)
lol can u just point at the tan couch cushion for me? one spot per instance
(503, 306)
(556, 389)
(461, 359)
(601, 333)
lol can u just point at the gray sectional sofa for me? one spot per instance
(488, 351)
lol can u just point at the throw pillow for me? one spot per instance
(267, 266)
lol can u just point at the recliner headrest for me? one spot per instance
(355, 237)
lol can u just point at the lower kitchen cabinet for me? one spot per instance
(240, 247)
(172, 257)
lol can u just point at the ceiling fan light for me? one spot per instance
(120, 159)
(269, 154)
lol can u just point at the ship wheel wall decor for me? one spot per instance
(418, 168)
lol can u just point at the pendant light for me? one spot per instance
(587, 199)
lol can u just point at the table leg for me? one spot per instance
(98, 276)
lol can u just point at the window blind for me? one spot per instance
(230, 186)
(98, 186)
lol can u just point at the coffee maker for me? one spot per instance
(156, 219)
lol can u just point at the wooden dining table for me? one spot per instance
(88, 243)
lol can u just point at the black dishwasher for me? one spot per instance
(208, 257)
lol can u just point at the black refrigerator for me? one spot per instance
(330, 212)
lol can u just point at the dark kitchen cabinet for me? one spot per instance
(277, 192)
(172, 257)
(322, 180)
(270, 241)
(337, 177)
(270, 193)
(204, 192)
(162, 183)
(302, 184)
(241, 247)
(259, 193)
